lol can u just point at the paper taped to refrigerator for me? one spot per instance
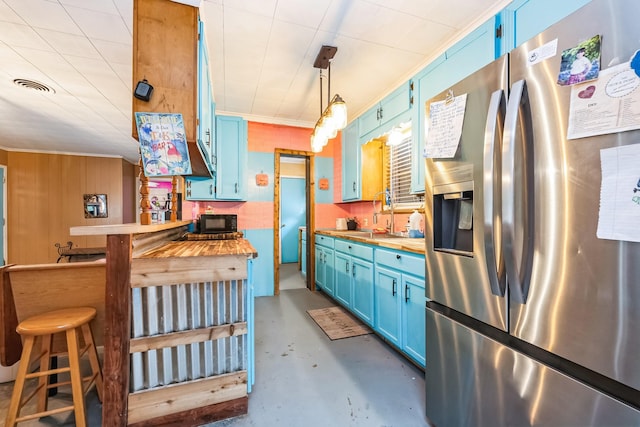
(607, 105)
(620, 194)
(445, 127)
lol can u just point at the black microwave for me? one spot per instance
(217, 223)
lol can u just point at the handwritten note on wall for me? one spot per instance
(444, 127)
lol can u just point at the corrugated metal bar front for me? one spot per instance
(173, 308)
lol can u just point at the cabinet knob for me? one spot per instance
(398, 257)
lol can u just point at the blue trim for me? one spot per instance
(262, 241)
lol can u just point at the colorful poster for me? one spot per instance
(163, 144)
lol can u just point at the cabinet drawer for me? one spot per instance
(354, 249)
(324, 241)
(401, 261)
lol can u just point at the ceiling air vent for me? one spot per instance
(32, 84)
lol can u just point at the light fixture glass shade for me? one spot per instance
(338, 112)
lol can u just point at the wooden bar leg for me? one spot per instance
(45, 365)
(76, 377)
(23, 369)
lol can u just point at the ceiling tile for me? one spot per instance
(69, 44)
(44, 14)
(103, 26)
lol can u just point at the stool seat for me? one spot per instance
(56, 321)
(74, 324)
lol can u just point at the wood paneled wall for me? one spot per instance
(45, 198)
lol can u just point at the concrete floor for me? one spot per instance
(305, 379)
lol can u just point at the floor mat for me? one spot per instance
(337, 323)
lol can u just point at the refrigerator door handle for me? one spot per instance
(492, 196)
(518, 185)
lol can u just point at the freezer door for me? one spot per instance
(472, 380)
(462, 198)
(581, 294)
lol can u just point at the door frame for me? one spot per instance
(310, 215)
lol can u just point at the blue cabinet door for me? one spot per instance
(350, 163)
(343, 279)
(387, 304)
(394, 105)
(413, 318)
(198, 188)
(524, 19)
(231, 158)
(369, 121)
(329, 271)
(206, 119)
(467, 56)
(320, 270)
(362, 303)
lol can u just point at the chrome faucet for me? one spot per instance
(375, 214)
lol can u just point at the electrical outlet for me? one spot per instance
(365, 222)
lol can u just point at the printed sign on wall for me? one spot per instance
(163, 144)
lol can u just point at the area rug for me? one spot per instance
(338, 323)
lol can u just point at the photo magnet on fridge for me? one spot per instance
(580, 63)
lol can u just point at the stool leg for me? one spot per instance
(76, 377)
(93, 358)
(45, 365)
(18, 386)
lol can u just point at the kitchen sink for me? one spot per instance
(372, 235)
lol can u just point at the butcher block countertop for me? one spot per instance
(193, 248)
(415, 245)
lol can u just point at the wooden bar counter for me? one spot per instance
(178, 326)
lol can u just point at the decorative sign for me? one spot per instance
(163, 144)
(323, 184)
(262, 180)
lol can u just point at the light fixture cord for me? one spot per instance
(329, 85)
(321, 110)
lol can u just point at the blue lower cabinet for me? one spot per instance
(387, 304)
(400, 301)
(354, 278)
(413, 318)
(362, 303)
(342, 291)
(324, 269)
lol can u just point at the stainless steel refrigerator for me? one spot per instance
(532, 319)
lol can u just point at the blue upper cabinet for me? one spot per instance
(231, 158)
(206, 117)
(523, 19)
(383, 116)
(473, 52)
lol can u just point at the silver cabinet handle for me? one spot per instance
(518, 181)
(492, 200)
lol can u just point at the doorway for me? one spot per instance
(3, 211)
(287, 212)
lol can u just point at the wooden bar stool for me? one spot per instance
(74, 322)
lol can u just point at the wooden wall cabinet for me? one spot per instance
(165, 52)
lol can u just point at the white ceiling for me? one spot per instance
(261, 54)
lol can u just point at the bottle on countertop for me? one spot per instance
(414, 224)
